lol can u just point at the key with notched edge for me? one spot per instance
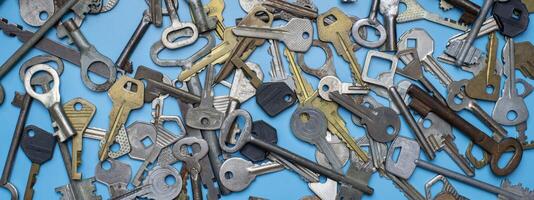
(155, 86)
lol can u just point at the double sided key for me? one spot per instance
(38, 145)
(124, 101)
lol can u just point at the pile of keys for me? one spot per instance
(222, 149)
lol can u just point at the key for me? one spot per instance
(372, 22)
(124, 101)
(156, 12)
(421, 100)
(116, 177)
(327, 69)
(23, 101)
(390, 9)
(412, 68)
(155, 185)
(510, 102)
(439, 133)
(304, 173)
(355, 170)
(21, 51)
(278, 72)
(447, 190)
(297, 34)
(178, 27)
(215, 10)
(414, 11)
(121, 140)
(394, 95)
(199, 16)
(51, 100)
(307, 96)
(329, 84)
(38, 145)
(470, 9)
(408, 160)
(488, 26)
(157, 85)
(237, 173)
(289, 10)
(245, 138)
(524, 63)
(326, 190)
(264, 131)
(247, 5)
(511, 16)
(80, 112)
(31, 11)
(337, 33)
(518, 188)
(342, 152)
(191, 160)
(309, 124)
(158, 47)
(486, 84)
(205, 116)
(90, 56)
(83, 189)
(123, 61)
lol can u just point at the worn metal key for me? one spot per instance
(38, 145)
(205, 116)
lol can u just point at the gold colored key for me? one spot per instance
(488, 76)
(334, 27)
(307, 96)
(124, 100)
(80, 113)
(215, 9)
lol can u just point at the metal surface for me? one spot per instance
(372, 22)
(178, 27)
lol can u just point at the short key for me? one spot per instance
(116, 177)
(123, 102)
(38, 145)
(177, 26)
(236, 173)
(192, 161)
(309, 124)
(329, 84)
(51, 100)
(205, 116)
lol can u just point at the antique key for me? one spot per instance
(38, 145)
(124, 101)
(191, 161)
(370, 21)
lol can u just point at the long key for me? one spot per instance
(177, 26)
(246, 137)
(80, 112)
(237, 173)
(155, 185)
(307, 96)
(51, 100)
(337, 33)
(414, 11)
(192, 161)
(439, 133)
(309, 124)
(38, 145)
(116, 177)
(510, 102)
(124, 101)
(205, 116)
(123, 61)
(330, 84)
(290, 10)
(297, 34)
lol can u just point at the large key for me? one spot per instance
(51, 100)
(177, 26)
(38, 145)
(124, 101)
(309, 124)
(246, 137)
(414, 11)
(191, 161)
(205, 116)
(297, 34)
(337, 33)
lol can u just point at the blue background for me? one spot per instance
(110, 31)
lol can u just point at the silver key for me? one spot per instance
(140, 133)
(278, 73)
(447, 190)
(414, 11)
(32, 11)
(326, 190)
(518, 189)
(79, 189)
(247, 5)
(121, 140)
(116, 177)
(236, 173)
(309, 124)
(192, 161)
(177, 26)
(439, 134)
(488, 26)
(390, 9)
(51, 100)
(155, 185)
(330, 84)
(372, 22)
(205, 116)
(340, 148)
(510, 102)
(297, 34)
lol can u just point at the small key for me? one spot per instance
(237, 173)
(51, 100)
(116, 177)
(205, 116)
(177, 26)
(124, 101)
(297, 34)
(447, 190)
(329, 84)
(38, 145)
(486, 84)
(155, 185)
(414, 11)
(191, 160)
(309, 124)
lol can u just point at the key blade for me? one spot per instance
(32, 179)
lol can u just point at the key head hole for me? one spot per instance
(78, 106)
(329, 20)
(105, 165)
(490, 89)
(390, 130)
(325, 88)
(458, 99)
(396, 154)
(115, 147)
(170, 180)
(512, 151)
(95, 78)
(516, 14)
(288, 98)
(131, 86)
(263, 16)
(43, 15)
(412, 43)
(188, 149)
(305, 35)
(205, 121)
(31, 133)
(228, 175)
(427, 123)
(304, 117)
(147, 142)
(511, 115)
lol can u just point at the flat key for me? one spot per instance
(38, 145)
(489, 77)
(177, 26)
(414, 11)
(297, 34)
(309, 124)
(237, 173)
(330, 84)
(116, 177)
(205, 116)
(124, 101)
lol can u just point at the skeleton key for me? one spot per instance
(51, 99)
(116, 177)
(309, 124)
(330, 84)
(414, 11)
(80, 112)
(124, 101)
(511, 102)
(307, 96)
(486, 84)
(215, 9)
(158, 47)
(177, 26)
(38, 145)
(517, 188)
(205, 116)
(337, 33)
(297, 34)
(191, 160)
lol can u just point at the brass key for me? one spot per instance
(215, 9)
(307, 96)
(80, 113)
(337, 33)
(124, 101)
(478, 86)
